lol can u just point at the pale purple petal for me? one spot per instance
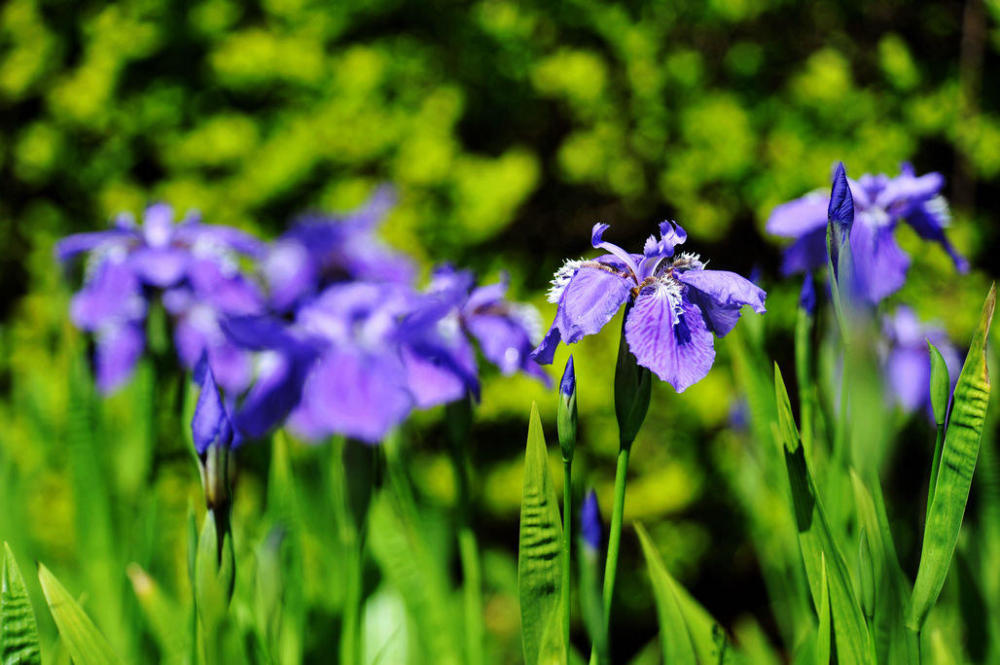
(112, 296)
(678, 349)
(591, 299)
(70, 246)
(907, 188)
(799, 217)
(291, 273)
(596, 236)
(160, 266)
(358, 395)
(229, 292)
(158, 225)
(438, 376)
(880, 265)
(720, 294)
(118, 349)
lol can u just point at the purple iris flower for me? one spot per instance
(673, 304)
(879, 204)
(195, 266)
(908, 361)
(505, 331)
(320, 250)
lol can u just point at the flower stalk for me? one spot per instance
(566, 421)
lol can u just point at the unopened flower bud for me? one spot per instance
(566, 414)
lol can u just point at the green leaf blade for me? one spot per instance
(954, 477)
(675, 638)
(18, 630)
(85, 643)
(539, 556)
(817, 544)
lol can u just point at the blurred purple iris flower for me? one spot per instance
(674, 304)
(320, 250)
(880, 203)
(908, 361)
(194, 265)
(505, 331)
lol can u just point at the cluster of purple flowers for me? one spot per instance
(880, 203)
(865, 213)
(322, 328)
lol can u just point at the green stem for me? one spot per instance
(803, 353)
(350, 637)
(468, 550)
(473, 592)
(567, 549)
(615, 537)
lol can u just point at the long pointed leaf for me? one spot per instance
(85, 643)
(954, 478)
(675, 639)
(539, 559)
(18, 631)
(817, 542)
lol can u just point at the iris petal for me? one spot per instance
(678, 349)
(591, 299)
(880, 265)
(720, 294)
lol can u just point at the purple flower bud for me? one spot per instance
(590, 521)
(567, 386)
(841, 208)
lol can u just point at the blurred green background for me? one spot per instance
(508, 129)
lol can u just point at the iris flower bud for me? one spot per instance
(632, 386)
(566, 415)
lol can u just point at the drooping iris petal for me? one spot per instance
(113, 295)
(720, 294)
(880, 265)
(591, 299)
(438, 375)
(677, 348)
(70, 246)
(545, 352)
(929, 219)
(799, 217)
(281, 376)
(358, 395)
(807, 253)
(118, 349)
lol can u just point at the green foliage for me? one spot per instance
(954, 477)
(18, 632)
(539, 560)
(85, 643)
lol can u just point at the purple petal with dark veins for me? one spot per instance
(678, 349)
(720, 294)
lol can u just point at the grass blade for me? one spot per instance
(539, 554)
(85, 643)
(823, 632)
(18, 631)
(675, 638)
(817, 542)
(954, 478)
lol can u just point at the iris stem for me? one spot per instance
(459, 422)
(350, 638)
(615, 537)
(567, 549)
